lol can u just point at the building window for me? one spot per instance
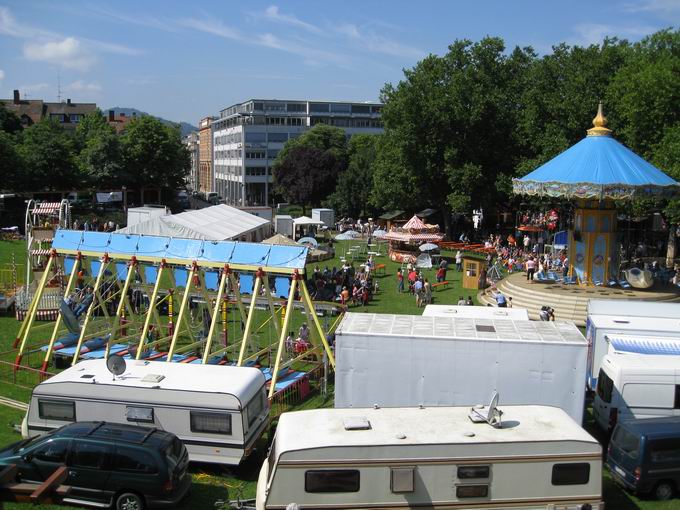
(332, 480)
(340, 108)
(211, 423)
(361, 108)
(278, 137)
(297, 107)
(275, 107)
(318, 107)
(571, 474)
(56, 410)
(295, 121)
(255, 137)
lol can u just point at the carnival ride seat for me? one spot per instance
(639, 278)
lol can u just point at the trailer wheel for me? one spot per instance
(129, 501)
(664, 490)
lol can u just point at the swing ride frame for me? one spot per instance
(228, 258)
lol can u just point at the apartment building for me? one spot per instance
(248, 136)
(205, 156)
(192, 143)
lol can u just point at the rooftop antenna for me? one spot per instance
(58, 87)
(116, 365)
(487, 414)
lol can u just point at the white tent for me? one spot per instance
(305, 221)
(216, 223)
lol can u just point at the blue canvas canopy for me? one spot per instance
(239, 255)
(597, 167)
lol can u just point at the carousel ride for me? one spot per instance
(404, 241)
(174, 300)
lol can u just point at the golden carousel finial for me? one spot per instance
(599, 123)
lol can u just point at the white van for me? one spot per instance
(218, 412)
(636, 386)
(431, 458)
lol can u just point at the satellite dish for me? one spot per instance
(116, 365)
(489, 414)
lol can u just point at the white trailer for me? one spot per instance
(636, 386)
(476, 312)
(625, 317)
(435, 458)
(406, 360)
(218, 412)
(327, 216)
(137, 215)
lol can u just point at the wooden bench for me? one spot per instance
(439, 284)
(380, 268)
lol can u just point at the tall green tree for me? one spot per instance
(449, 129)
(153, 155)
(306, 170)
(355, 185)
(13, 168)
(99, 157)
(49, 159)
(9, 122)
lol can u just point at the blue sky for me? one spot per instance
(185, 60)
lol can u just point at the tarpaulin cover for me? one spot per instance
(218, 252)
(645, 345)
(597, 167)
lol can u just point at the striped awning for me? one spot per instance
(645, 345)
(413, 238)
(47, 208)
(40, 252)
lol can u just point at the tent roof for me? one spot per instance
(281, 240)
(306, 220)
(390, 215)
(216, 223)
(597, 167)
(414, 223)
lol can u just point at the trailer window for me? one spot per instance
(139, 414)
(57, 410)
(467, 472)
(571, 474)
(255, 407)
(332, 480)
(211, 423)
(604, 387)
(472, 491)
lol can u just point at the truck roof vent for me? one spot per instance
(356, 423)
(153, 378)
(485, 329)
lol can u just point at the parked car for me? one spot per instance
(644, 456)
(109, 465)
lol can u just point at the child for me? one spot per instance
(290, 343)
(400, 281)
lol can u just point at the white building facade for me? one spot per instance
(248, 136)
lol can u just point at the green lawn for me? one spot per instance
(211, 483)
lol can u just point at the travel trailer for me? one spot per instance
(636, 386)
(613, 317)
(218, 412)
(407, 360)
(529, 457)
(476, 312)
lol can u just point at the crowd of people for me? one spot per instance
(347, 285)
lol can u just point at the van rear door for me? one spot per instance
(605, 414)
(623, 456)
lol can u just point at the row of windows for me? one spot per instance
(260, 154)
(228, 170)
(228, 138)
(208, 422)
(63, 118)
(256, 170)
(402, 479)
(343, 122)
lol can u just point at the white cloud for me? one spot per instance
(212, 27)
(272, 13)
(142, 21)
(81, 86)
(594, 33)
(376, 43)
(68, 53)
(2, 75)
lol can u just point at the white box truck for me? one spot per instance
(406, 360)
(625, 317)
(283, 224)
(636, 386)
(137, 215)
(325, 215)
(476, 312)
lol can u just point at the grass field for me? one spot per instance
(210, 483)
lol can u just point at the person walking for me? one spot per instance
(459, 261)
(531, 268)
(400, 281)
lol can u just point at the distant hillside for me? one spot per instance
(184, 127)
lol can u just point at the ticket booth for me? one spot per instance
(472, 270)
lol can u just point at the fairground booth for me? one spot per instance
(405, 240)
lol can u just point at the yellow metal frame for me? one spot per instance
(282, 338)
(182, 311)
(122, 303)
(218, 304)
(104, 264)
(149, 314)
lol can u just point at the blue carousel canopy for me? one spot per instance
(597, 167)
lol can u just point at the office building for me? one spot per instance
(205, 157)
(191, 142)
(248, 136)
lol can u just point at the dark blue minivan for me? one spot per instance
(644, 456)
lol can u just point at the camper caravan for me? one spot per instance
(441, 457)
(218, 412)
(612, 317)
(409, 360)
(636, 386)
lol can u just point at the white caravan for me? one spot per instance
(218, 412)
(612, 317)
(476, 312)
(409, 360)
(436, 458)
(636, 386)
